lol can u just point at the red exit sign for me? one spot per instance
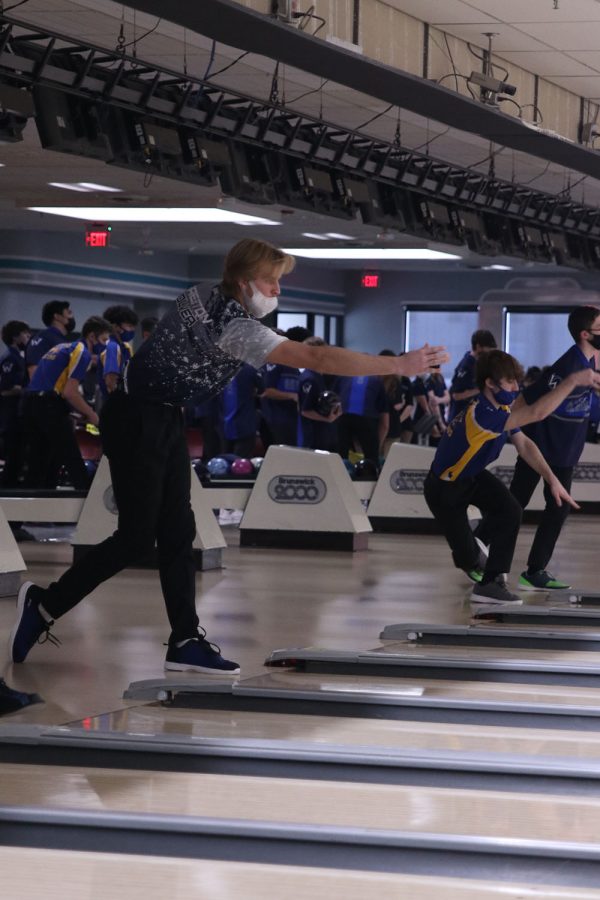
(97, 235)
(370, 280)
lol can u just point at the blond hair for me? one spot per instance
(248, 258)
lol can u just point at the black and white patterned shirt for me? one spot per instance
(197, 348)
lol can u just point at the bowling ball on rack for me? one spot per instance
(91, 466)
(218, 467)
(365, 470)
(327, 403)
(242, 467)
(257, 462)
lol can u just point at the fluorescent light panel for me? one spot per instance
(406, 253)
(143, 214)
(84, 187)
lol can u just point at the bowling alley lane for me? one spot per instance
(374, 734)
(77, 875)
(469, 814)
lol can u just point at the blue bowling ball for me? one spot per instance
(218, 466)
(349, 466)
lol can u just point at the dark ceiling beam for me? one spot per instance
(237, 26)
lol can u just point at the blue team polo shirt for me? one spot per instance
(472, 441)
(312, 434)
(561, 435)
(363, 395)
(112, 361)
(13, 370)
(462, 380)
(238, 405)
(40, 343)
(58, 365)
(282, 378)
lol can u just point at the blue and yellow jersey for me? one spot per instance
(472, 441)
(113, 360)
(62, 362)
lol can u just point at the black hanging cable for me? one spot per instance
(274, 93)
(211, 60)
(376, 116)
(229, 66)
(141, 38)
(313, 91)
(539, 175)
(431, 140)
(14, 6)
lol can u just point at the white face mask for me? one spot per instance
(259, 305)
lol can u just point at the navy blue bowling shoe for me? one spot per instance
(199, 655)
(30, 626)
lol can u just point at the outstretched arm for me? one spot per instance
(529, 451)
(522, 414)
(339, 361)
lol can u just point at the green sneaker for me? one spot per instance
(541, 581)
(474, 574)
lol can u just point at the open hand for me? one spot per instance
(426, 359)
(560, 493)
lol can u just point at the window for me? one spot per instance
(287, 320)
(537, 338)
(451, 327)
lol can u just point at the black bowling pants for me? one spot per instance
(150, 470)
(449, 500)
(363, 430)
(525, 480)
(51, 443)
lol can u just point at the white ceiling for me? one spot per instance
(559, 44)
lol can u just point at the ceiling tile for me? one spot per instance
(506, 38)
(548, 63)
(589, 58)
(564, 36)
(436, 12)
(516, 11)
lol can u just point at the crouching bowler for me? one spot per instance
(459, 478)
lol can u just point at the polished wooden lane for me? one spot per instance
(261, 600)
(437, 811)
(370, 734)
(27, 874)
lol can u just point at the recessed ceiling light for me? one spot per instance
(406, 253)
(2, 165)
(91, 186)
(339, 237)
(69, 187)
(84, 187)
(498, 268)
(156, 214)
(315, 237)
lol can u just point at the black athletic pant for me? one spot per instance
(150, 470)
(51, 443)
(448, 501)
(362, 429)
(243, 446)
(524, 483)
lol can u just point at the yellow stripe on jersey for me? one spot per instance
(476, 437)
(64, 376)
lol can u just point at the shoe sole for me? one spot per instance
(491, 601)
(21, 596)
(204, 670)
(532, 587)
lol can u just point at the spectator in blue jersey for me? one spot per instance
(365, 418)
(459, 478)
(279, 402)
(50, 396)
(238, 406)
(400, 407)
(425, 416)
(317, 428)
(59, 320)
(464, 386)
(560, 438)
(118, 350)
(13, 379)
(193, 353)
